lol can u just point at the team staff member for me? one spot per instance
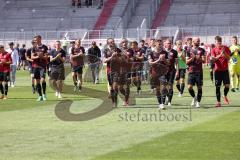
(220, 55)
(15, 63)
(94, 61)
(22, 54)
(158, 61)
(57, 75)
(5, 62)
(77, 62)
(195, 59)
(173, 66)
(234, 64)
(180, 74)
(40, 58)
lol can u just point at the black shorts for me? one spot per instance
(123, 79)
(158, 80)
(171, 76)
(23, 58)
(5, 76)
(77, 69)
(57, 72)
(30, 68)
(129, 75)
(211, 65)
(221, 77)
(39, 73)
(181, 74)
(195, 78)
(112, 77)
(136, 73)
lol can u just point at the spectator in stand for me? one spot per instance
(100, 4)
(73, 3)
(87, 3)
(22, 55)
(15, 63)
(79, 4)
(94, 60)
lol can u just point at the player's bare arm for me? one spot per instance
(34, 56)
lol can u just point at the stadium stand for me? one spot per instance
(28, 15)
(203, 13)
(135, 19)
(198, 18)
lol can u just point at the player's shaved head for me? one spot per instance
(111, 42)
(196, 41)
(124, 43)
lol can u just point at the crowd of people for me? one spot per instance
(160, 62)
(87, 3)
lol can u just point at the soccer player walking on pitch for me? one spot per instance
(128, 55)
(158, 61)
(5, 62)
(112, 56)
(57, 75)
(180, 75)
(195, 59)
(30, 61)
(220, 55)
(150, 49)
(40, 58)
(77, 62)
(173, 65)
(137, 66)
(234, 64)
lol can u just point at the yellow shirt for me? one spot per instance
(235, 58)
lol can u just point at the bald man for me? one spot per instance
(195, 59)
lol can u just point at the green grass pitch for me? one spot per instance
(30, 130)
